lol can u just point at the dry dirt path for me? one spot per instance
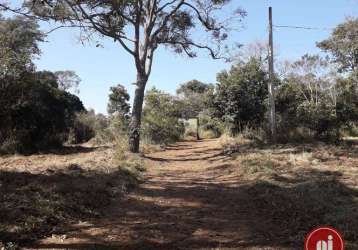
(191, 199)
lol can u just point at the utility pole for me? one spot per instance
(271, 81)
(197, 128)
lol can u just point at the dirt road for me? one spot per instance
(191, 199)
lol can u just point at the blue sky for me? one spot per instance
(100, 68)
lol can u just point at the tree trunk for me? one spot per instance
(135, 124)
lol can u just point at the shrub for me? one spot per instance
(320, 118)
(241, 95)
(211, 127)
(35, 114)
(161, 119)
(301, 118)
(190, 128)
(98, 128)
(132, 164)
(118, 107)
(83, 128)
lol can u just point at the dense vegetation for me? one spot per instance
(316, 98)
(161, 122)
(36, 110)
(35, 113)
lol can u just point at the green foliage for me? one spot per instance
(19, 37)
(171, 25)
(288, 98)
(83, 127)
(193, 86)
(323, 118)
(241, 95)
(98, 128)
(347, 101)
(35, 114)
(118, 104)
(211, 126)
(68, 80)
(161, 120)
(311, 104)
(296, 112)
(193, 96)
(343, 45)
(164, 24)
(319, 117)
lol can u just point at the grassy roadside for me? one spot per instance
(295, 188)
(41, 195)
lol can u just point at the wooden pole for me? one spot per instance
(197, 129)
(271, 81)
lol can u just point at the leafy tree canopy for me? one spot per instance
(141, 26)
(19, 37)
(343, 45)
(161, 117)
(193, 98)
(118, 101)
(34, 113)
(68, 80)
(241, 95)
(192, 87)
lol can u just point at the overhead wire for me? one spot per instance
(301, 27)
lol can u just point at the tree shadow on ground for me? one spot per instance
(185, 158)
(33, 206)
(205, 215)
(70, 150)
(333, 151)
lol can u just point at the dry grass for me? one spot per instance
(301, 186)
(208, 134)
(41, 194)
(283, 191)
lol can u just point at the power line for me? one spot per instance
(301, 27)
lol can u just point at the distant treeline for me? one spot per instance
(316, 97)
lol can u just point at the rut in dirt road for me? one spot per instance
(191, 199)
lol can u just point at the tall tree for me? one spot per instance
(343, 45)
(118, 102)
(19, 39)
(68, 80)
(314, 76)
(141, 26)
(241, 95)
(161, 118)
(193, 96)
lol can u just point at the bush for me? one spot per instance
(211, 127)
(320, 118)
(241, 95)
(83, 128)
(162, 131)
(315, 104)
(161, 120)
(35, 114)
(190, 128)
(98, 128)
(305, 119)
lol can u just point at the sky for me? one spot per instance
(100, 68)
